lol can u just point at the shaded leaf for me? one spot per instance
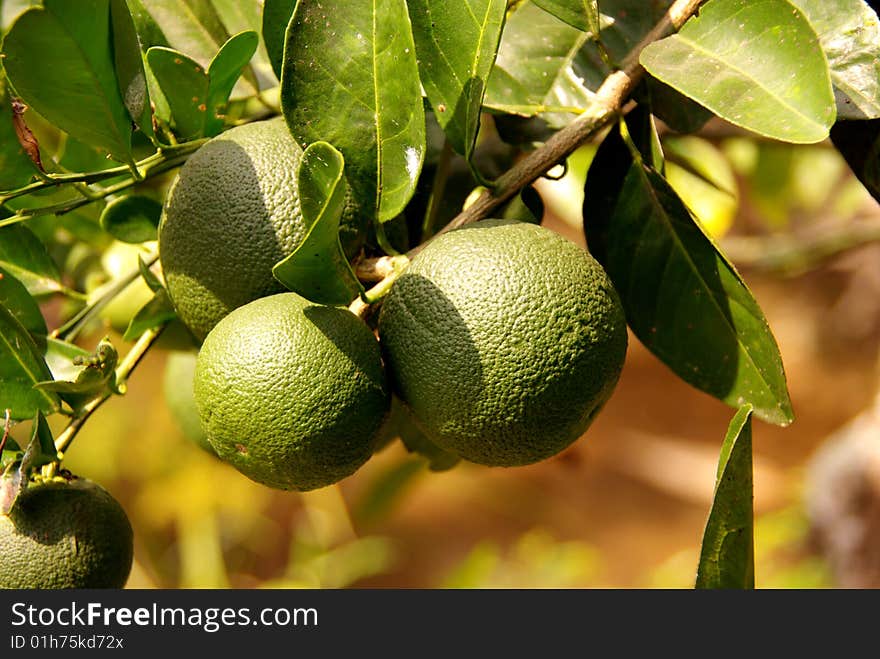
(582, 14)
(859, 143)
(727, 555)
(276, 16)
(21, 367)
(680, 113)
(16, 168)
(39, 451)
(526, 206)
(132, 218)
(318, 269)
(849, 32)
(683, 300)
(64, 359)
(152, 280)
(365, 100)
(129, 66)
(456, 43)
(758, 65)
(238, 16)
(59, 58)
(154, 313)
(16, 299)
(25, 258)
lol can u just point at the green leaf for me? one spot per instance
(223, 72)
(195, 27)
(758, 65)
(365, 99)
(64, 359)
(849, 32)
(151, 279)
(539, 68)
(197, 97)
(318, 269)
(129, 66)
(132, 218)
(16, 168)
(59, 59)
(238, 16)
(456, 44)
(683, 300)
(157, 311)
(25, 258)
(859, 143)
(21, 367)
(98, 373)
(16, 299)
(727, 555)
(527, 206)
(582, 14)
(276, 16)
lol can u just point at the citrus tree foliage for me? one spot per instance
(413, 107)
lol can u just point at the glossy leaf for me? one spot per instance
(25, 258)
(276, 16)
(365, 99)
(196, 96)
(194, 27)
(132, 218)
(859, 143)
(21, 367)
(64, 359)
(16, 168)
(849, 32)
(456, 43)
(16, 299)
(683, 300)
(238, 16)
(318, 269)
(582, 14)
(756, 64)
(540, 68)
(157, 311)
(129, 66)
(59, 58)
(727, 555)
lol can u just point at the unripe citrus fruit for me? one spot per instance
(180, 369)
(291, 393)
(65, 534)
(232, 213)
(504, 339)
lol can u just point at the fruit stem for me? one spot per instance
(393, 267)
(607, 104)
(123, 371)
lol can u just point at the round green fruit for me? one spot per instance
(231, 214)
(505, 340)
(65, 534)
(292, 394)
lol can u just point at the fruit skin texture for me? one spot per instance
(291, 393)
(505, 340)
(231, 214)
(65, 534)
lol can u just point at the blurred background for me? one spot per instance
(625, 506)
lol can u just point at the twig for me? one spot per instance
(607, 103)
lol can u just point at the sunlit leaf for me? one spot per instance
(582, 14)
(59, 58)
(157, 311)
(756, 64)
(456, 43)
(318, 269)
(849, 32)
(365, 100)
(97, 374)
(727, 556)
